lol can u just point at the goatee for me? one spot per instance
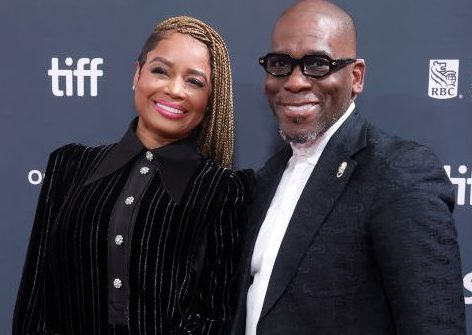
(298, 138)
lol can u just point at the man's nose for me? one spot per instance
(297, 81)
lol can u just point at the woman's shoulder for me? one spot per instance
(237, 184)
(73, 153)
(70, 158)
(243, 179)
(75, 149)
(242, 182)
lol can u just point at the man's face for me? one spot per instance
(305, 107)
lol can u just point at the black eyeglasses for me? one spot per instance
(315, 66)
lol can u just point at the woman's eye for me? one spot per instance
(158, 70)
(196, 82)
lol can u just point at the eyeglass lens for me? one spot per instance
(312, 65)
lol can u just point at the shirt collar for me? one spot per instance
(177, 162)
(312, 151)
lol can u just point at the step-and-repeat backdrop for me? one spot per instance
(66, 72)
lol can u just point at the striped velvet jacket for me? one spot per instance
(182, 260)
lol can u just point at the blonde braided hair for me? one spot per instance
(215, 134)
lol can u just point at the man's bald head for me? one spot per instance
(306, 106)
(341, 22)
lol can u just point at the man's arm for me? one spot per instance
(416, 247)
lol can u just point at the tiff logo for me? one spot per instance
(443, 77)
(86, 68)
(461, 183)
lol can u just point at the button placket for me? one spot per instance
(121, 230)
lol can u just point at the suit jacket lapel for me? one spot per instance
(323, 188)
(267, 181)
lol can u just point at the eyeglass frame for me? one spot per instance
(333, 64)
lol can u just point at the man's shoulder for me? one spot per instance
(392, 147)
(361, 131)
(395, 156)
(382, 141)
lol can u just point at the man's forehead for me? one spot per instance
(309, 33)
(299, 40)
(315, 40)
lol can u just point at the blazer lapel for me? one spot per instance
(325, 185)
(267, 181)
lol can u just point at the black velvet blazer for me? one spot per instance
(182, 260)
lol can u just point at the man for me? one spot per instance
(352, 229)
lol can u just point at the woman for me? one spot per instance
(140, 237)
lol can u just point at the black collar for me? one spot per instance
(177, 162)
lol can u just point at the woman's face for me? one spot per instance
(172, 90)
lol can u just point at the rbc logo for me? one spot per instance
(461, 183)
(443, 76)
(86, 68)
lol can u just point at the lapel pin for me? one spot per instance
(342, 167)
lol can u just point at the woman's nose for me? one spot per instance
(176, 87)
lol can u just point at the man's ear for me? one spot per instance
(358, 74)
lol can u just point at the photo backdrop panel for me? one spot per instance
(67, 71)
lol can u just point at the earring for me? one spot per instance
(133, 87)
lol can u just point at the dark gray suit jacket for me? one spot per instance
(372, 250)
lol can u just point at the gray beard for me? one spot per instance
(307, 136)
(299, 138)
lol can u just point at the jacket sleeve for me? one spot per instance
(217, 293)
(415, 245)
(34, 305)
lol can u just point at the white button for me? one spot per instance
(144, 170)
(149, 156)
(129, 200)
(118, 239)
(117, 283)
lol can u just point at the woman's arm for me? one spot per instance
(217, 293)
(34, 310)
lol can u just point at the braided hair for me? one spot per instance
(215, 134)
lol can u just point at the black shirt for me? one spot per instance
(175, 163)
